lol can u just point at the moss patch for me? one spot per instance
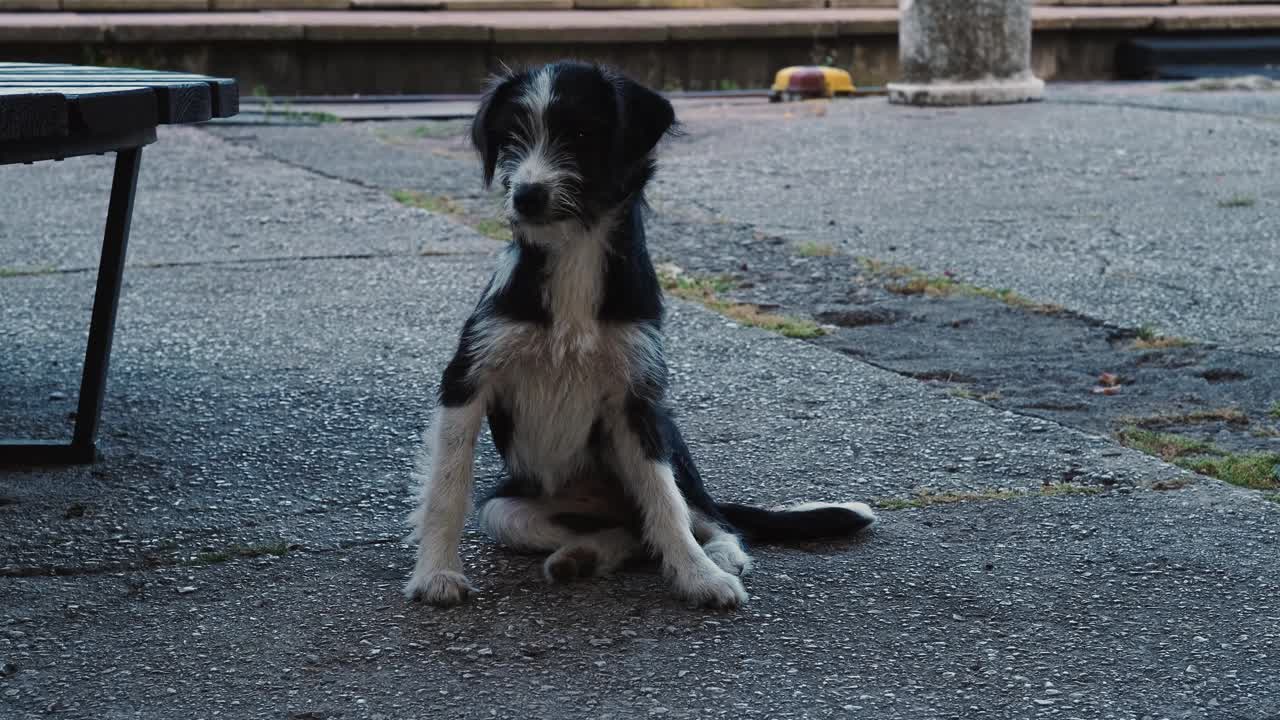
(1150, 339)
(1238, 201)
(882, 269)
(422, 201)
(440, 129)
(748, 314)
(491, 227)
(1166, 446)
(270, 108)
(903, 280)
(1252, 470)
(1230, 416)
(277, 548)
(706, 290)
(814, 249)
(494, 228)
(694, 288)
(1256, 471)
(6, 272)
(968, 394)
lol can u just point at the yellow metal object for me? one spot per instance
(810, 81)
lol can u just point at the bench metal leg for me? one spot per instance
(97, 355)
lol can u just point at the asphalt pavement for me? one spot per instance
(239, 550)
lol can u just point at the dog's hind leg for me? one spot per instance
(643, 464)
(578, 548)
(723, 547)
(721, 544)
(594, 555)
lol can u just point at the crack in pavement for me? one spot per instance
(1163, 108)
(168, 264)
(239, 142)
(1036, 364)
(152, 562)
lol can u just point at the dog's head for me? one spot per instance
(568, 141)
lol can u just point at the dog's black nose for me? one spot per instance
(530, 199)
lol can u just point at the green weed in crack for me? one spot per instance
(277, 548)
(1258, 471)
(1238, 201)
(904, 280)
(491, 227)
(1151, 339)
(7, 272)
(815, 249)
(707, 290)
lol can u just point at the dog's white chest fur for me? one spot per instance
(556, 381)
(553, 409)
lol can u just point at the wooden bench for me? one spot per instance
(52, 112)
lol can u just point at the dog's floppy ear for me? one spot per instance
(486, 128)
(646, 117)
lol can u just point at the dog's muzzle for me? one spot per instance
(530, 200)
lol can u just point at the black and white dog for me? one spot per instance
(563, 356)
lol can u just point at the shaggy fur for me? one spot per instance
(563, 356)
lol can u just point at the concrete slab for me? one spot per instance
(1120, 212)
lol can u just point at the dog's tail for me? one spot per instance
(810, 521)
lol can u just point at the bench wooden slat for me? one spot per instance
(100, 74)
(62, 67)
(89, 109)
(9, 65)
(89, 70)
(102, 99)
(32, 115)
(120, 110)
(224, 100)
(185, 102)
(53, 69)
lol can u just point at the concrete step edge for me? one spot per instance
(575, 26)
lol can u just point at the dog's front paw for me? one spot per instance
(441, 588)
(712, 588)
(726, 552)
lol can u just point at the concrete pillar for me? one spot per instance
(965, 52)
